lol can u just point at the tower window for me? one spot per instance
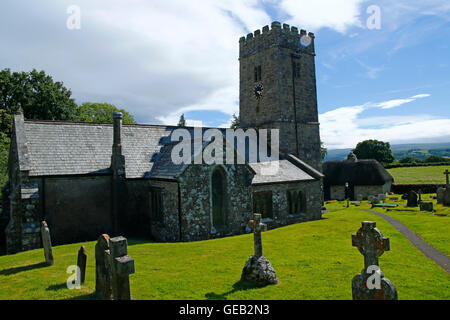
(296, 68)
(257, 73)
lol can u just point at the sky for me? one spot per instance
(383, 67)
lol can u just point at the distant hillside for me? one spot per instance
(419, 150)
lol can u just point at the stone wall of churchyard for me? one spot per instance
(77, 208)
(406, 188)
(166, 228)
(196, 204)
(312, 207)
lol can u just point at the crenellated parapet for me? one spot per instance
(278, 35)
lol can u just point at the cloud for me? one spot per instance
(344, 127)
(398, 102)
(153, 58)
(339, 15)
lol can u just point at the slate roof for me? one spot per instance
(359, 173)
(286, 172)
(51, 148)
(64, 148)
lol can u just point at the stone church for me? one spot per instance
(85, 179)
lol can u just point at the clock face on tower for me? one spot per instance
(258, 91)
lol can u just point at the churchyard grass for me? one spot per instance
(419, 175)
(432, 227)
(313, 260)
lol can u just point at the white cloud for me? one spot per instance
(398, 102)
(335, 14)
(153, 58)
(344, 127)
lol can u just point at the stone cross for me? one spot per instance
(103, 286)
(257, 227)
(122, 266)
(47, 243)
(446, 178)
(420, 195)
(371, 244)
(81, 263)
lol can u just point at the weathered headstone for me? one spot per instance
(440, 195)
(373, 200)
(122, 266)
(103, 286)
(371, 284)
(258, 269)
(446, 200)
(47, 243)
(412, 199)
(382, 197)
(426, 206)
(81, 263)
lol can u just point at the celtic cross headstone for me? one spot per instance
(258, 269)
(371, 284)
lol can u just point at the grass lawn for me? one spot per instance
(419, 175)
(432, 228)
(313, 260)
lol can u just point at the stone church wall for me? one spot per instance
(135, 220)
(77, 208)
(313, 197)
(168, 229)
(196, 207)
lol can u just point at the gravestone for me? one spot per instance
(122, 266)
(412, 199)
(426, 206)
(440, 195)
(47, 243)
(371, 284)
(382, 197)
(81, 263)
(258, 269)
(103, 286)
(446, 200)
(374, 200)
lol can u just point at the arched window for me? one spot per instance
(219, 203)
(296, 201)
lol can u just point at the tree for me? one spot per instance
(410, 159)
(101, 112)
(374, 149)
(236, 122)
(37, 94)
(182, 121)
(323, 150)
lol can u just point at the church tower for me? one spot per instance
(278, 88)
